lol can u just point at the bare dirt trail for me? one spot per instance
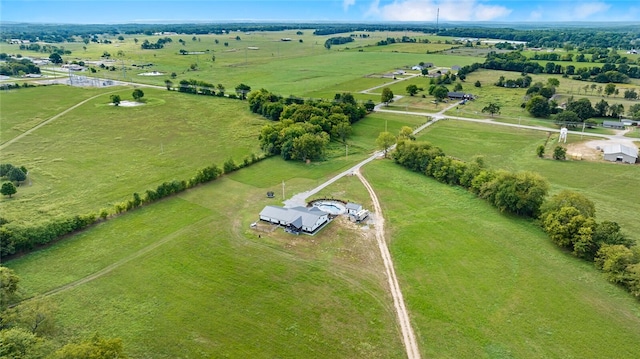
(408, 336)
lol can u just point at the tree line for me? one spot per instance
(568, 217)
(623, 37)
(16, 66)
(302, 129)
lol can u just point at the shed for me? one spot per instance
(620, 153)
(613, 124)
(353, 208)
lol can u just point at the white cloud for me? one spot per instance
(584, 10)
(347, 3)
(427, 10)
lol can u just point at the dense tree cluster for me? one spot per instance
(337, 41)
(520, 82)
(17, 67)
(569, 220)
(146, 45)
(521, 193)
(304, 128)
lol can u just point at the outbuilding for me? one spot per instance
(620, 153)
(613, 124)
(353, 208)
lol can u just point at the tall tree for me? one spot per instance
(8, 189)
(115, 99)
(492, 108)
(440, 93)
(137, 94)
(387, 96)
(412, 89)
(538, 106)
(384, 141)
(55, 58)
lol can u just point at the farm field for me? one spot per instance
(608, 185)
(209, 278)
(482, 284)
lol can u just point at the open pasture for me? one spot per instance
(209, 286)
(609, 185)
(23, 109)
(481, 284)
(100, 154)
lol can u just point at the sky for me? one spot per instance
(161, 11)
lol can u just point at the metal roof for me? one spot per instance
(296, 216)
(354, 206)
(618, 148)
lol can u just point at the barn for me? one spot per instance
(620, 153)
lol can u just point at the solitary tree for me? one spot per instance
(8, 189)
(168, 83)
(55, 58)
(384, 141)
(491, 108)
(477, 84)
(387, 96)
(115, 99)
(609, 89)
(406, 133)
(412, 89)
(540, 151)
(137, 94)
(440, 93)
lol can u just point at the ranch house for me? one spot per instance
(620, 153)
(296, 219)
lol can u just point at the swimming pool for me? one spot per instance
(331, 207)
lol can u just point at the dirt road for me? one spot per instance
(408, 336)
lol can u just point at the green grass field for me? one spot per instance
(214, 289)
(481, 284)
(608, 185)
(189, 278)
(97, 154)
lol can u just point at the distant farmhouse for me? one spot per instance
(613, 124)
(296, 219)
(460, 96)
(620, 153)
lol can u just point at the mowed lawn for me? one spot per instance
(482, 284)
(97, 154)
(611, 186)
(214, 288)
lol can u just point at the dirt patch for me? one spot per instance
(582, 151)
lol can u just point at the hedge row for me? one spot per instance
(521, 193)
(15, 238)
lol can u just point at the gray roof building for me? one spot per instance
(299, 219)
(353, 208)
(613, 124)
(620, 153)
